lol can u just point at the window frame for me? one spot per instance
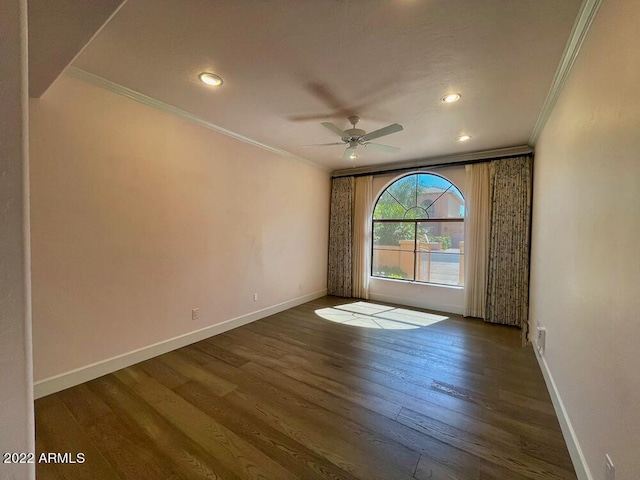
(415, 222)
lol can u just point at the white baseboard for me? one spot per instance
(570, 438)
(84, 374)
(440, 307)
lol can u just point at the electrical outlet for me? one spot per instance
(255, 297)
(609, 470)
(541, 339)
(195, 314)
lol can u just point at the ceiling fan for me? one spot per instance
(354, 137)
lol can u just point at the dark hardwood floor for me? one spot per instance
(297, 396)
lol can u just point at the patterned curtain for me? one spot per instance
(508, 272)
(340, 237)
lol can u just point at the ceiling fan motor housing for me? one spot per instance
(353, 134)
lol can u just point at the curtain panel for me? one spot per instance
(508, 267)
(340, 237)
(362, 213)
(476, 238)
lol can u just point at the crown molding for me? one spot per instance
(116, 88)
(587, 13)
(441, 161)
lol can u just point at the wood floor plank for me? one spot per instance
(375, 382)
(466, 423)
(245, 353)
(84, 405)
(527, 402)
(438, 454)
(345, 454)
(556, 455)
(162, 371)
(180, 361)
(336, 388)
(428, 469)
(126, 450)
(45, 471)
(371, 385)
(261, 347)
(211, 352)
(236, 454)
(522, 383)
(508, 458)
(190, 459)
(296, 396)
(322, 428)
(124, 447)
(456, 374)
(295, 456)
(426, 375)
(58, 432)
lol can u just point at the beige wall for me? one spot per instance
(138, 217)
(16, 393)
(436, 297)
(585, 275)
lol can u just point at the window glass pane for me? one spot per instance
(394, 249)
(404, 191)
(388, 207)
(416, 213)
(443, 235)
(439, 197)
(440, 257)
(393, 263)
(393, 234)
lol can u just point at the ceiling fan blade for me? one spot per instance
(334, 129)
(323, 144)
(348, 152)
(388, 130)
(382, 148)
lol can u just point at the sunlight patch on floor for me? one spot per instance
(371, 315)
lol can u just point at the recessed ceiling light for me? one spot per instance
(451, 98)
(463, 138)
(210, 79)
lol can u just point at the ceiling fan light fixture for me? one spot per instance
(451, 98)
(463, 138)
(210, 79)
(353, 156)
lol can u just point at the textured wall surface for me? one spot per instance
(16, 397)
(585, 259)
(138, 217)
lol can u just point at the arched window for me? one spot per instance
(418, 231)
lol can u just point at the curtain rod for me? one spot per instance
(434, 165)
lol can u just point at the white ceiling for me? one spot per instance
(290, 64)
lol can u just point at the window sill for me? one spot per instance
(411, 282)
